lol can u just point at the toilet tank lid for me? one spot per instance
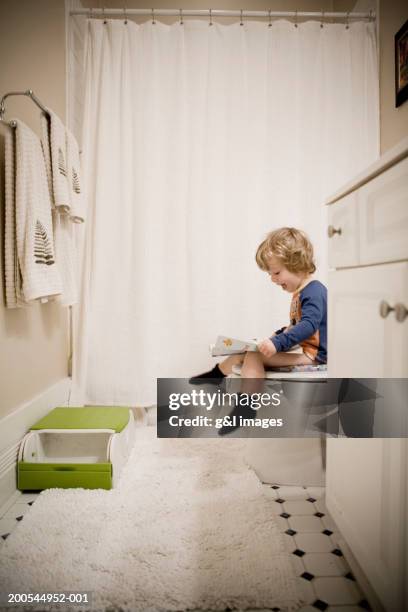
(86, 417)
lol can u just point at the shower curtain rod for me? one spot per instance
(109, 12)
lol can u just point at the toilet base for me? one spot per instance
(289, 461)
(297, 461)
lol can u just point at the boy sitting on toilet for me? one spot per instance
(287, 255)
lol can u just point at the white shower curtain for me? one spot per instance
(197, 141)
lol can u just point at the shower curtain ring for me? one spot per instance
(322, 21)
(125, 15)
(153, 21)
(181, 16)
(210, 17)
(347, 20)
(296, 18)
(270, 19)
(103, 15)
(241, 22)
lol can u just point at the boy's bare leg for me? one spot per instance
(253, 377)
(287, 359)
(254, 367)
(226, 365)
(254, 362)
(253, 373)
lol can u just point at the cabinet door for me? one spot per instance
(383, 204)
(343, 244)
(365, 494)
(361, 343)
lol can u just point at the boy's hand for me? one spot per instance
(267, 347)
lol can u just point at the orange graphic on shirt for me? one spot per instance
(310, 346)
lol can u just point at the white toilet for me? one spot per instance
(288, 461)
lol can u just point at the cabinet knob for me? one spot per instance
(385, 309)
(331, 230)
(400, 310)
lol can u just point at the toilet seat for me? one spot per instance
(317, 374)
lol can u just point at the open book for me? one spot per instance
(231, 346)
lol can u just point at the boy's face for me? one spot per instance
(289, 281)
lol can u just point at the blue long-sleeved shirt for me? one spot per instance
(308, 323)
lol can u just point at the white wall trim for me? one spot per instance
(15, 425)
(361, 577)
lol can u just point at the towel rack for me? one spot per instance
(29, 93)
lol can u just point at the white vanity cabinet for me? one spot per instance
(368, 281)
(366, 479)
(366, 495)
(362, 342)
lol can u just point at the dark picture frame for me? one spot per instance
(401, 65)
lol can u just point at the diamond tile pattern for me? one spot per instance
(306, 524)
(316, 492)
(325, 564)
(302, 507)
(320, 605)
(308, 530)
(337, 591)
(15, 513)
(314, 542)
(307, 576)
(291, 532)
(311, 536)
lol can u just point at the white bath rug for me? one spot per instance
(187, 528)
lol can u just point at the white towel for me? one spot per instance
(65, 253)
(10, 244)
(58, 155)
(63, 228)
(31, 269)
(76, 211)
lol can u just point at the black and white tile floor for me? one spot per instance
(312, 538)
(310, 535)
(14, 513)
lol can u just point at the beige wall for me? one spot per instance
(393, 121)
(34, 340)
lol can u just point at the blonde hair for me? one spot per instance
(290, 246)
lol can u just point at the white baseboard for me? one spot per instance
(346, 527)
(375, 604)
(15, 425)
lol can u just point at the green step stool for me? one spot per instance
(76, 447)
